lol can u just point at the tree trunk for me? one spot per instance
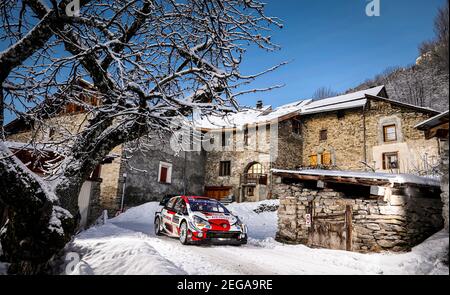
(37, 227)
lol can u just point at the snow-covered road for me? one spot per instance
(127, 245)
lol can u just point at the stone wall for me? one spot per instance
(142, 169)
(444, 182)
(289, 155)
(350, 143)
(63, 126)
(416, 147)
(109, 187)
(395, 224)
(279, 149)
(344, 138)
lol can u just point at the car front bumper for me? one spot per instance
(219, 238)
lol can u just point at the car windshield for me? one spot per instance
(208, 206)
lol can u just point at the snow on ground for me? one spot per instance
(127, 245)
(3, 268)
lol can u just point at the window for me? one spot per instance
(250, 191)
(246, 136)
(225, 168)
(255, 168)
(180, 206)
(390, 133)
(171, 203)
(325, 159)
(165, 173)
(323, 135)
(268, 132)
(95, 175)
(390, 161)
(207, 206)
(296, 128)
(224, 139)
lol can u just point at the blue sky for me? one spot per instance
(333, 43)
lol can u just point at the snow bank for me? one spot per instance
(111, 250)
(3, 268)
(260, 226)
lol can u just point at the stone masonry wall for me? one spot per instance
(345, 136)
(142, 169)
(287, 150)
(395, 225)
(109, 187)
(417, 146)
(444, 182)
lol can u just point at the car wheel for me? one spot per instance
(184, 233)
(158, 227)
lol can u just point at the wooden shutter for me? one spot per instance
(326, 159)
(313, 160)
(163, 175)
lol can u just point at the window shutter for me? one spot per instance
(163, 175)
(326, 159)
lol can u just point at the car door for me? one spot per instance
(180, 210)
(168, 214)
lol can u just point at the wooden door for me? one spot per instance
(331, 231)
(217, 192)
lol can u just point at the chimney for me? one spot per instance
(259, 104)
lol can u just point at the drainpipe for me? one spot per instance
(123, 191)
(184, 173)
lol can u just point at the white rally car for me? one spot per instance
(199, 220)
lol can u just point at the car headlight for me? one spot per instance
(200, 221)
(237, 222)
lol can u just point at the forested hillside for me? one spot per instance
(426, 82)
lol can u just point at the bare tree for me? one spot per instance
(436, 50)
(324, 92)
(149, 62)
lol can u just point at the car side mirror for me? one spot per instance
(184, 213)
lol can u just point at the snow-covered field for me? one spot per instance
(127, 245)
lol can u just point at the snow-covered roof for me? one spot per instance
(248, 116)
(388, 177)
(346, 101)
(434, 121)
(251, 116)
(29, 146)
(302, 107)
(42, 147)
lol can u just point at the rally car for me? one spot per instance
(199, 220)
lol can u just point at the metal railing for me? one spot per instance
(254, 178)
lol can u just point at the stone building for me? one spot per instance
(356, 211)
(367, 131)
(157, 170)
(247, 145)
(438, 127)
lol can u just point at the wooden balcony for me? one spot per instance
(255, 179)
